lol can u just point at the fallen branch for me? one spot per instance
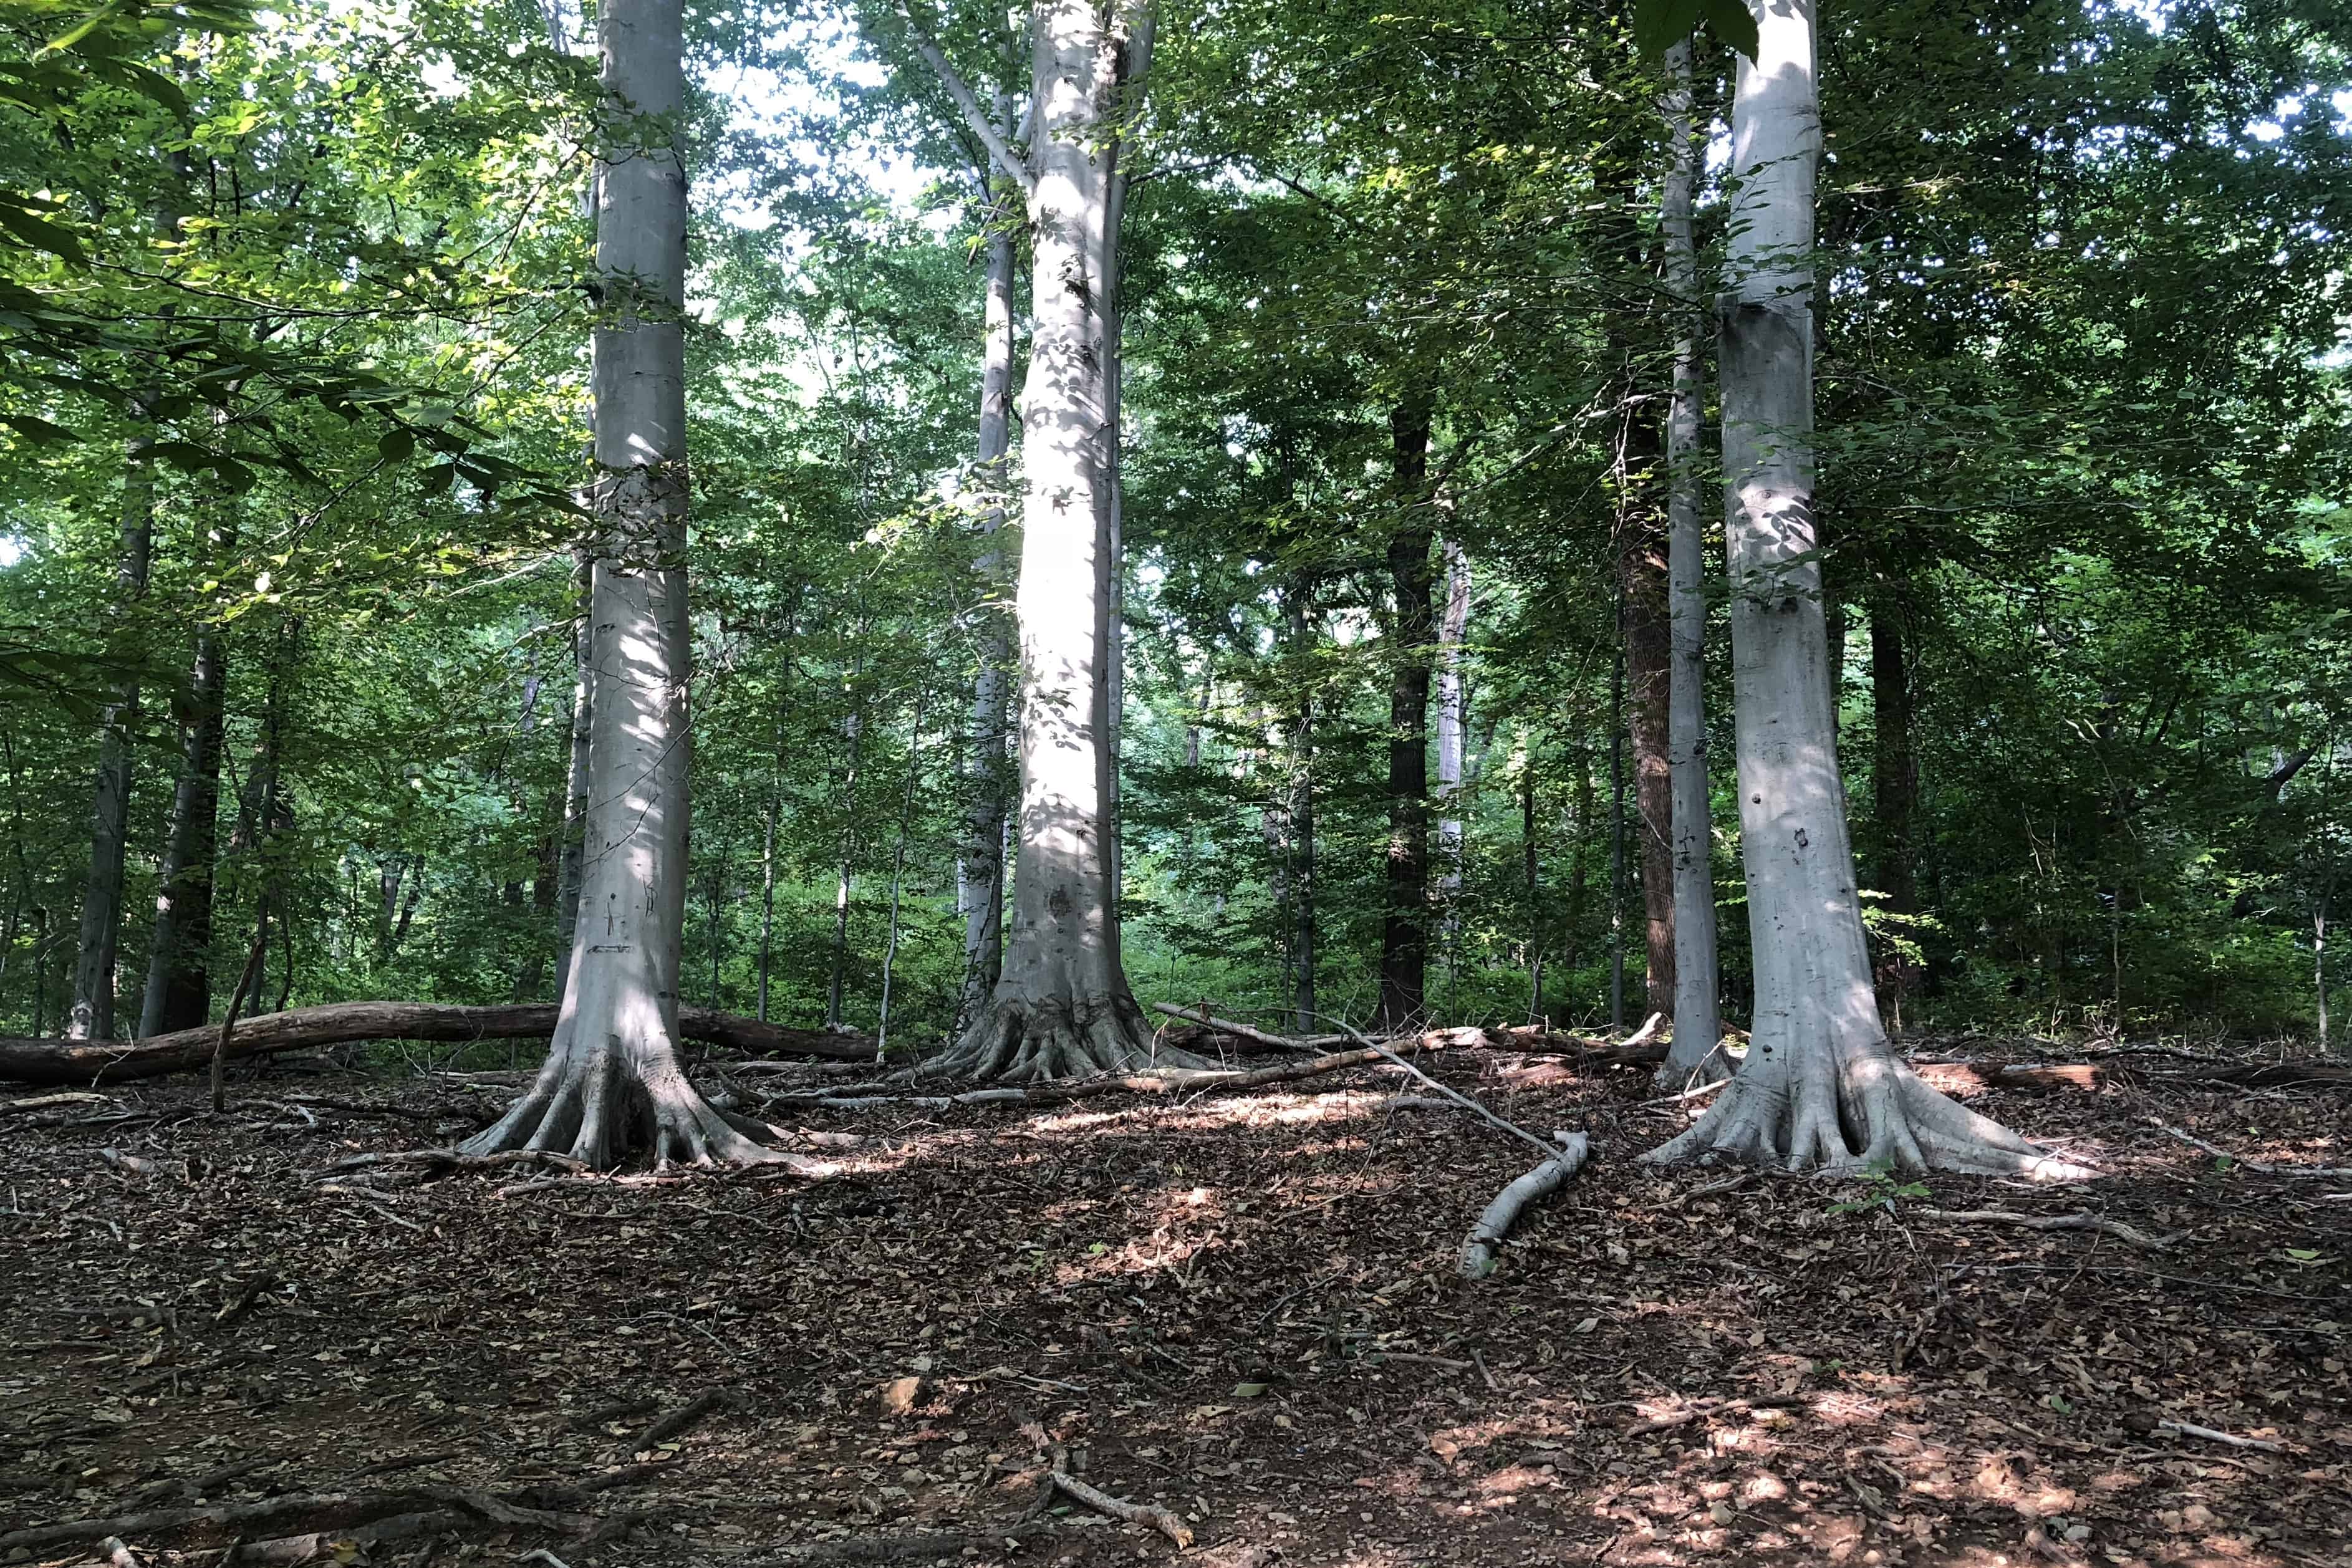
(89, 1061)
(2258, 1166)
(1718, 1407)
(925, 1546)
(1486, 1236)
(682, 1419)
(236, 1517)
(450, 1159)
(1159, 1519)
(1244, 1032)
(2189, 1429)
(70, 1097)
(2115, 1228)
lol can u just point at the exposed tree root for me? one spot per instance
(1840, 1106)
(592, 1102)
(1025, 1041)
(1486, 1236)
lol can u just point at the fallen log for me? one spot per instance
(89, 1061)
(1486, 1236)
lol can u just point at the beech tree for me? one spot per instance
(612, 1074)
(1062, 1005)
(1821, 1085)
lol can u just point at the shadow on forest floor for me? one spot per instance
(1242, 1309)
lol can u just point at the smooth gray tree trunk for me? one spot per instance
(613, 1075)
(979, 860)
(90, 1012)
(1062, 1006)
(1821, 1087)
(1698, 1023)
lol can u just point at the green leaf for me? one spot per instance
(1730, 24)
(39, 232)
(1659, 25)
(40, 430)
(397, 443)
(438, 478)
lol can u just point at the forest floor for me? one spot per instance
(1243, 1309)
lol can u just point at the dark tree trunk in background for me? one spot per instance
(179, 982)
(1649, 654)
(1404, 931)
(90, 1014)
(1896, 776)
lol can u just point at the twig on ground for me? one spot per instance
(1159, 1519)
(1486, 1236)
(679, 1420)
(451, 1159)
(65, 1097)
(1459, 1099)
(367, 1198)
(542, 1554)
(2115, 1228)
(2189, 1429)
(2258, 1166)
(235, 1516)
(251, 1293)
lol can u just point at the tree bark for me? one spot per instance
(1698, 1024)
(1062, 1005)
(1820, 1086)
(613, 1074)
(980, 861)
(90, 1013)
(1617, 837)
(1405, 929)
(179, 985)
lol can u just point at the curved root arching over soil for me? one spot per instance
(1852, 1108)
(1026, 1039)
(595, 1102)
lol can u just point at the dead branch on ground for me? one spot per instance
(2115, 1228)
(1486, 1236)
(1159, 1519)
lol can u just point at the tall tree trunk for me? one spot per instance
(847, 869)
(1529, 864)
(1452, 710)
(1642, 567)
(980, 859)
(1405, 927)
(571, 857)
(1301, 869)
(1698, 1022)
(179, 986)
(897, 876)
(1894, 783)
(1617, 837)
(612, 1073)
(90, 1014)
(1062, 1005)
(1821, 1085)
